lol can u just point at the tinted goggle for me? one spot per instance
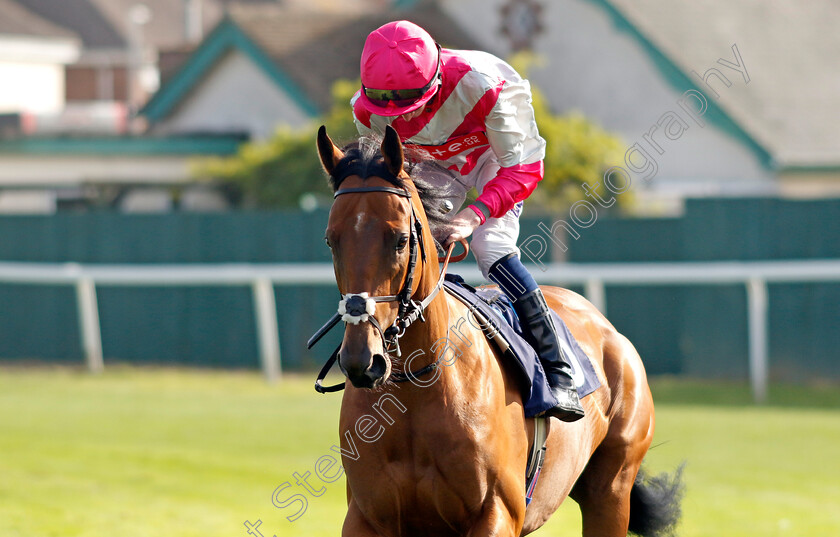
(400, 98)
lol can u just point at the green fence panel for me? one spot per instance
(651, 317)
(259, 237)
(613, 240)
(804, 337)
(39, 322)
(647, 317)
(713, 335)
(694, 330)
(186, 326)
(710, 337)
(767, 228)
(207, 326)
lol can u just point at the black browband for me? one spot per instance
(398, 191)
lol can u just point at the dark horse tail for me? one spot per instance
(655, 504)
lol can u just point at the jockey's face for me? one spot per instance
(411, 115)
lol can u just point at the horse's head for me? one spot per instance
(375, 233)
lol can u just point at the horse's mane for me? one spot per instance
(363, 158)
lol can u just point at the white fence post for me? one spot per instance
(88, 309)
(265, 312)
(757, 322)
(595, 293)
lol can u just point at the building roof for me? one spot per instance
(301, 43)
(786, 114)
(225, 38)
(167, 25)
(106, 23)
(790, 50)
(304, 50)
(18, 20)
(82, 18)
(316, 48)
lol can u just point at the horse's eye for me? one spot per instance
(402, 242)
(327, 241)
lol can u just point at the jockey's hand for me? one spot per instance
(461, 226)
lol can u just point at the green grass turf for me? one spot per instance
(163, 452)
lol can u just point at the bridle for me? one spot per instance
(358, 307)
(355, 308)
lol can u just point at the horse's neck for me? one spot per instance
(422, 336)
(446, 336)
(450, 338)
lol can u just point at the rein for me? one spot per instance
(355, 308)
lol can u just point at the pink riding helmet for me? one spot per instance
(400, 69)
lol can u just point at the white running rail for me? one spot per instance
(261, 278)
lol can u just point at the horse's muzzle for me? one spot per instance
(365, 373)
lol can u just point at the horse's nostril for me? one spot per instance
(366, 377)
(378, 367)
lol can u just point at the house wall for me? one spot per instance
(37, 88)
(32, 74)
(235, 96)
(44, 184)
(68, 170)
(587, 64)
(810, 184)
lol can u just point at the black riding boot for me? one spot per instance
(542, 335)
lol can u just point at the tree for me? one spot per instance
(284, 171)
(577, 152)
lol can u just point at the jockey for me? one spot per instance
(472, 113)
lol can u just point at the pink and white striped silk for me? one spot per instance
(483, 104)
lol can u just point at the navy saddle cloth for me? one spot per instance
(497, 308)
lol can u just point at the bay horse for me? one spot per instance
(446, 455)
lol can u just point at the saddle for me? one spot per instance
(493, 311)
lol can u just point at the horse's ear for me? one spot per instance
(392, 151)
(327, 150)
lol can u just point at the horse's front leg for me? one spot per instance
(498, 519)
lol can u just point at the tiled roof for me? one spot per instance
(18, 20)
(316, 48)
(791, 51)
(81, 17)
(166, 28)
